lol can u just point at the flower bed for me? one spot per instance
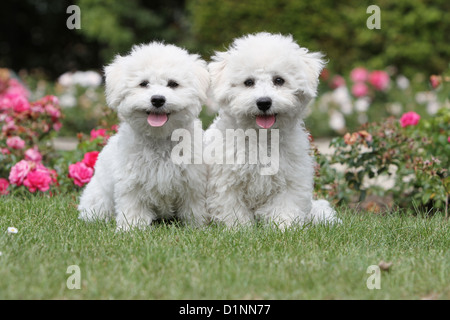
(410, 142)
(27, 128)
(28, 161)
(414, 153)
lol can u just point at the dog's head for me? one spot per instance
(264, 80)
(157, 88)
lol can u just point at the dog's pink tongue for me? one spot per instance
(265, 122)
(157, 119)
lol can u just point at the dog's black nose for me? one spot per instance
(264, 103)
(158, 101)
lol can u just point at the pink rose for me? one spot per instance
(16, 101)
(9, 126)
(50, 99)
(15, 143)
(359, 74)
(37, 108)
(19, 172)
(337, 81)
(379, 79)
(33, 155)
(54, 176)
(435, 81)
(20, 104)
(360, 89)
(38, 179)
(80, 173)
(49, 105)
(97, 133)
(409, 119)
(90, 158)
(57, 126)
(52, 111)
(5, 103)
(325, 74)
(47, 100)
(4, 184)
(16, 88)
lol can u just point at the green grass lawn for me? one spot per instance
(170, 261)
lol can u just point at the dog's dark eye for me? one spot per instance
(278, 81)
(172, 84)
(249, 83)
(144, 84)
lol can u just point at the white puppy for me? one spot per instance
(264, 82)
(155, 89)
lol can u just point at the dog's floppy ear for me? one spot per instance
(202, 79)
(115, 81)
(217, 65)
(216, 69)
(312, 63)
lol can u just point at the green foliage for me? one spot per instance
(118, 25)
(35, 37)
(413, 34)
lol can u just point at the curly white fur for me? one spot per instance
(237, 194)
(135, 180)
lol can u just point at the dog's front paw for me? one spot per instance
(90, 215)
(282, 217)
(322, 212)
(129, 224)
(134, 220)
(87, 215)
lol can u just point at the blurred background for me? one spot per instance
(412, 45)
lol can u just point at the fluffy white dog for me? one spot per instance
(264, 82)
(155, 89)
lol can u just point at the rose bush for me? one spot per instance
(29, 162)
(413, 152)
(27, 128)
(77, 167)
(409, 142)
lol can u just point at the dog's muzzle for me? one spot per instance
(157, 119)
(265, 121)
(264, 103)
(158, 101)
